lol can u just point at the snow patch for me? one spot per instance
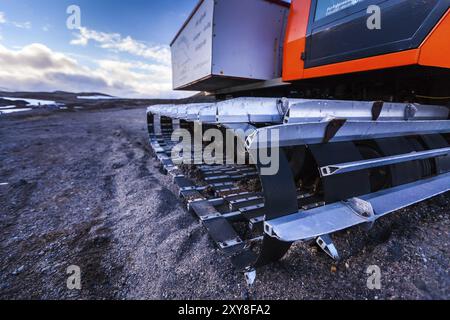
(96, 98)
(3, 111)
(34, 102)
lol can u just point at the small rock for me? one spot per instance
(18, 270)
(45, 269)
(116, 166)
(333, 269)
(424, 259)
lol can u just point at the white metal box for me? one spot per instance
(227, 43)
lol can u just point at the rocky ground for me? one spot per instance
(81, 188)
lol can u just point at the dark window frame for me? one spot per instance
(362, 6)
(421, 33)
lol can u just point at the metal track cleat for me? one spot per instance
(250, 276)
(326, 244)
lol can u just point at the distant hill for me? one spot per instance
(58, 96)
(95, 101)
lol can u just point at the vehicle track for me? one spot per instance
(135, 243)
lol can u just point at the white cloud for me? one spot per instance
(2, 18)
(116, 43)
(38, 68)
(22, 25)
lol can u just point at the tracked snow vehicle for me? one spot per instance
(352, 97)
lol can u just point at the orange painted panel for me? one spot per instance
(295, 41)
(390, 60)
(435, 51)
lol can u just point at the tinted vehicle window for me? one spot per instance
(326, 8)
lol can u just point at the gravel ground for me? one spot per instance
(82, 189)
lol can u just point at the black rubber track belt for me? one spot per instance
(425, 165)
(402, 173)
(436, 141)
(342, 186)
(280, 195)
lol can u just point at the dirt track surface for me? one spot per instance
(83, 189)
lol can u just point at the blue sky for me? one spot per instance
(120, 49)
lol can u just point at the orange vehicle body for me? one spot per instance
(433, 52)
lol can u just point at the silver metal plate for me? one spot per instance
(339, 216)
